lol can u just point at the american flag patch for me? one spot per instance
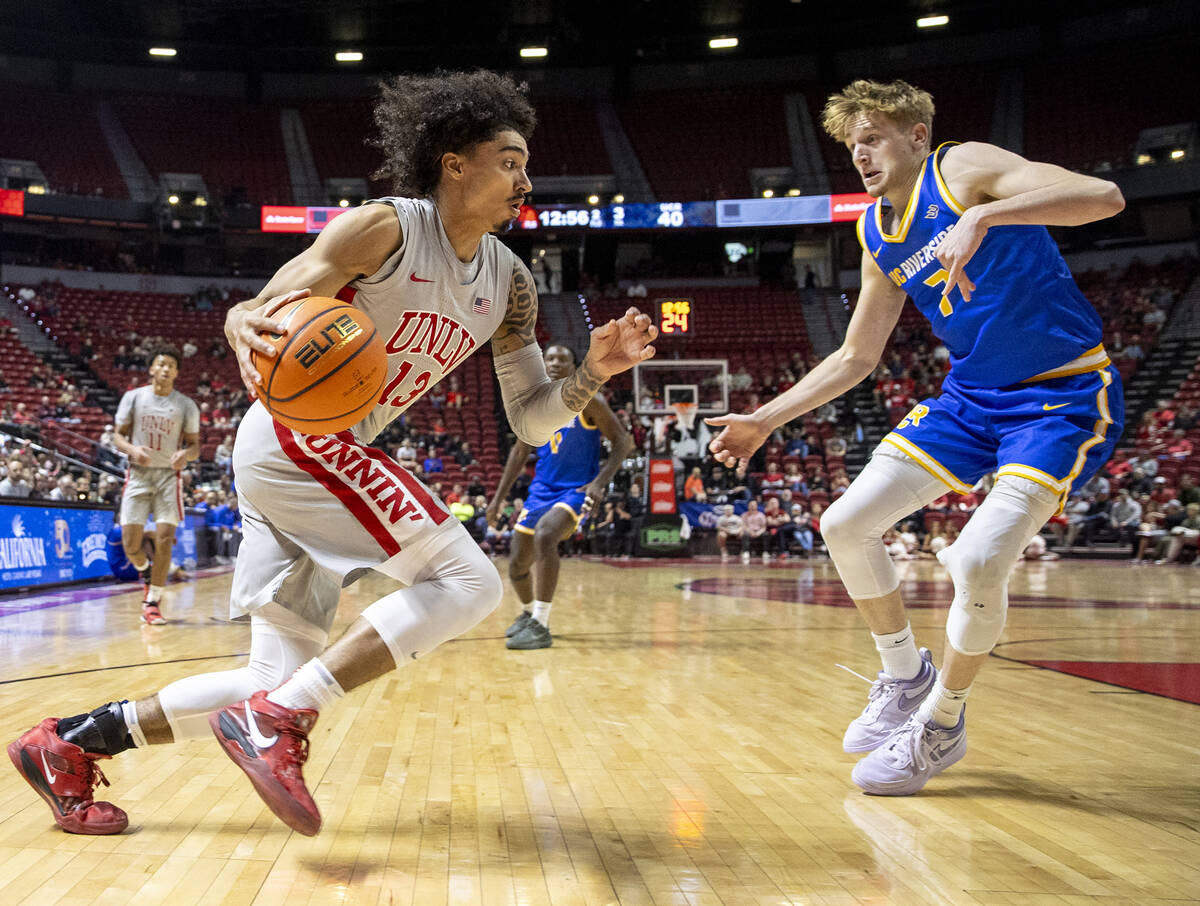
(482, 306)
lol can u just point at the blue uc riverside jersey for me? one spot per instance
(571, 458)
(1026, 319)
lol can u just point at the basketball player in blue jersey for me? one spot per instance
(567, 482)
(1031, 395)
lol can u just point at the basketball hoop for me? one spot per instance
(685, 414)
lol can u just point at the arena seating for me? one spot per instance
(64, 138)
(232, 145)
(698, 145)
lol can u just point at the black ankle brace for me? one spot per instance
(102, 732)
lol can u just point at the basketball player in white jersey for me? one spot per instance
(158, 429)
(319, 509)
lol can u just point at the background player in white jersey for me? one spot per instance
(566, 485)
(1029, 395)
(319, 509)
(158, 428)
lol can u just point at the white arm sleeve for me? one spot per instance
(533, 402)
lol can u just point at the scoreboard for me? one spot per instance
(655, 216)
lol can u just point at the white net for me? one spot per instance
(685, 414)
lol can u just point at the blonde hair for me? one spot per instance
(899, 101)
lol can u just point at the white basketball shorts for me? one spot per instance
(157, 491)
(316, 508)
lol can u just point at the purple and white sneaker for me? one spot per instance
(892, 702)
(915, 752)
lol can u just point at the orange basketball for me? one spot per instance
(329, 367)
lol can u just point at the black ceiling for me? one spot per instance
(291, 35)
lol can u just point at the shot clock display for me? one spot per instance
(675, 316)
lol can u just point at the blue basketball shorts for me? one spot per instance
(1056, 432)
(542, 500)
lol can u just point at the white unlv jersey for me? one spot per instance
(158, 422)
(433, 309)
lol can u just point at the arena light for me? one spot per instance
(172, 199)
(618, 199)
(1143, 159)
(344, 203)
(593, 199)
(793, 193)
(530, 53)
(348, 56)
(932, 21)
(768, 193)
(162, 51)
(722, 43)
(200, 201)
(1178, 154)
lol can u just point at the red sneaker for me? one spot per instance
(270, 743)
(151, 614)
(65, 776)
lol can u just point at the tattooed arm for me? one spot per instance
(615, 347)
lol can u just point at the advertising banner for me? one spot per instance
(42, 543)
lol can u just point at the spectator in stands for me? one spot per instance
(1133, 352)
(476, 488)
(189, 348)
(455, 398)
(229, 528)
(109, 491)
(836, 446)
(1126, 517)
(14, 483)
(64, 488)
(1181, 536)
(432, 463)
(1156, 528)
(1185, 418)
(773, 479)
(223, 455)
(777, 519)
(1188, 491)
(455, 495)
(45, 409)
(464, 457)
(1179, 447)
(729, 525)
(693, 487)
(754, 532)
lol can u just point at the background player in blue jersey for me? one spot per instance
(1030, 395)
(567, 483)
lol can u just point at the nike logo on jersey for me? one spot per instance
(256, 736)
(1046, 407)
(875, 253)
(50, 775)
(415, 279)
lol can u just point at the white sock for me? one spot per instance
(541, 612)
(311, 686)
(129, 713)
(898, 651)
(943, 706)
(155, 593)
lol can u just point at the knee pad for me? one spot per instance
(890, 487)
(452, 594)
(982, 558)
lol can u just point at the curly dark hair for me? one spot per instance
(164, 349)
(421, 117)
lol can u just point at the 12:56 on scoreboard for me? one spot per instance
(652, 216)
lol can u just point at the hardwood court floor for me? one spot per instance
(679, 744)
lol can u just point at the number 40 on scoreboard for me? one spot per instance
(675, 316)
